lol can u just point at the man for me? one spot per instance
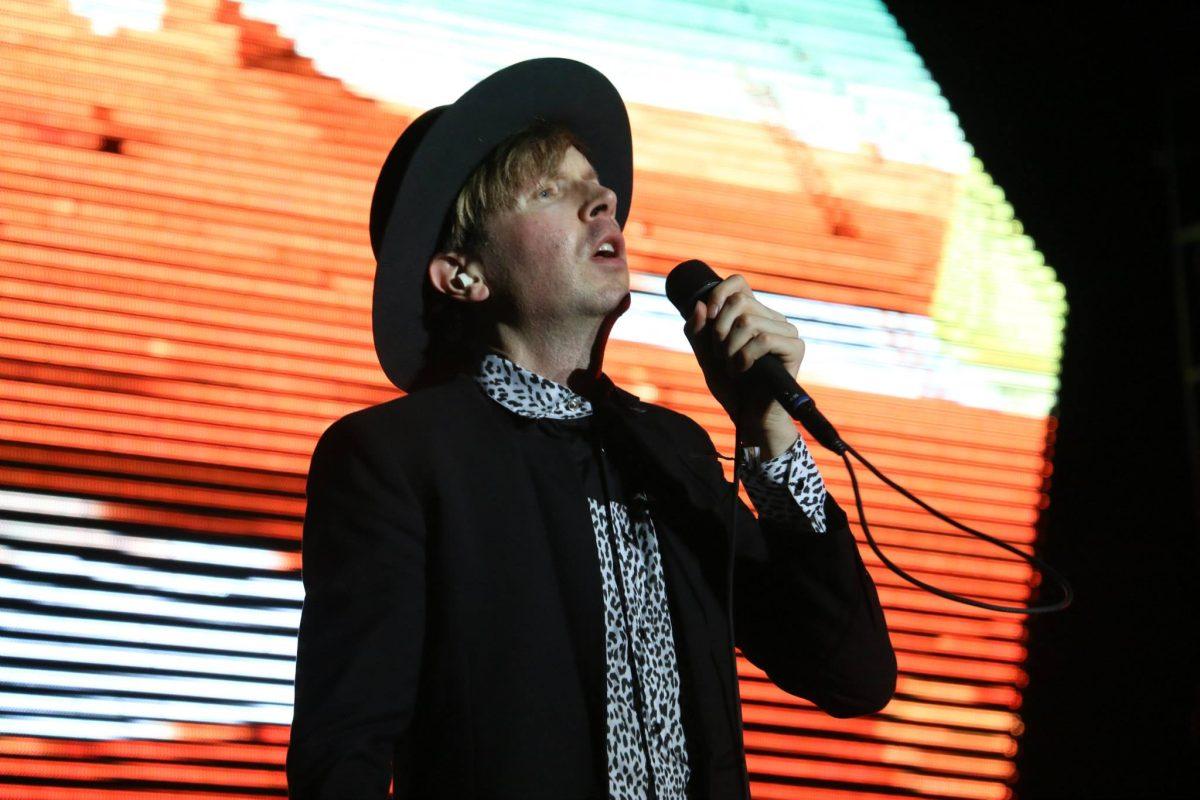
(515, 574)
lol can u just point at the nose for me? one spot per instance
(603, 200)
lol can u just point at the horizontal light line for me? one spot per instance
(124, 603)
(110, 631)
(171, 550)
(135, 708)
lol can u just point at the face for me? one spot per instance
(544, 260)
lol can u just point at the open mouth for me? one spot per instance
(606, 251)
(610, 250)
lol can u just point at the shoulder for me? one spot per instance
(427, 413)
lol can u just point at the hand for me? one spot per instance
(729, 331)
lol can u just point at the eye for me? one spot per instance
(545, 191)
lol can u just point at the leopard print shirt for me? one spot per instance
(782, 486)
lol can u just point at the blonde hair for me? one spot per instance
(495, 185)
(525, 157)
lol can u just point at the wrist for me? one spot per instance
(772, 439)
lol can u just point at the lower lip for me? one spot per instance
(611, 261)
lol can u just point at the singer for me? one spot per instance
(515, 573)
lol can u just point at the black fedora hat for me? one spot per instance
(432, 160)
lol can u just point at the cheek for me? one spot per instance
(542, 238)
(542, 251)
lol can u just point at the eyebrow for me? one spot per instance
(590, 175)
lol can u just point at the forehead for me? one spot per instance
(574, 163)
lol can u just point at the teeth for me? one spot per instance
(607, 248)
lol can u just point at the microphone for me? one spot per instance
(693, 280)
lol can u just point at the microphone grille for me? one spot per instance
(688, 282)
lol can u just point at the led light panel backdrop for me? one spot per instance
(186, 289)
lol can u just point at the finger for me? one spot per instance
(789, 350)
(733, 307)
(722, 291)
(766, 311)
(746, 327)
(741, 305)
(738, 304)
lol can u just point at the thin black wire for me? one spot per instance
(733, 515)
(1068, 594)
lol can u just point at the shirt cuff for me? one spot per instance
(786, 485)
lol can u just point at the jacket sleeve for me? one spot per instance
(362, 624)
(805, 610)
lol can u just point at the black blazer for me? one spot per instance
(452, 634)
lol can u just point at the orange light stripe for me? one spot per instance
(227, 748)
(990, 649)
(878, 727)
(86, 199)
(156, 229)
(913, 599)
(996, 591)
(761, 790)
(910, 710)
(167, 385)
(963, 694)
(139, 80)
(183, 180)
(940, 541)
(999, 628)
(16, 791)
(884, 753)
(798, 767)
(194, 361)
(97, 770)
(984, 569)
(144, 75)
(139, 369)
(176, 321)
(921, 688)
(79, 485)
(963, 669)
(100, 461)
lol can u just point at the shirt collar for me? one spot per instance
(527, 393)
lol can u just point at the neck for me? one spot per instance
(568, 353)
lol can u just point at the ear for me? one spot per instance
(445, 266)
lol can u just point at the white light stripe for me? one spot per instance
(132, 707)
(166, 685)
(173, 550)
(121, 602)
(144, 659)
(112, 631)
(149, 578)
(92, 729)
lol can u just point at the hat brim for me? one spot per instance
(463, 134)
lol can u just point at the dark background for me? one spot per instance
(1085, 115)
